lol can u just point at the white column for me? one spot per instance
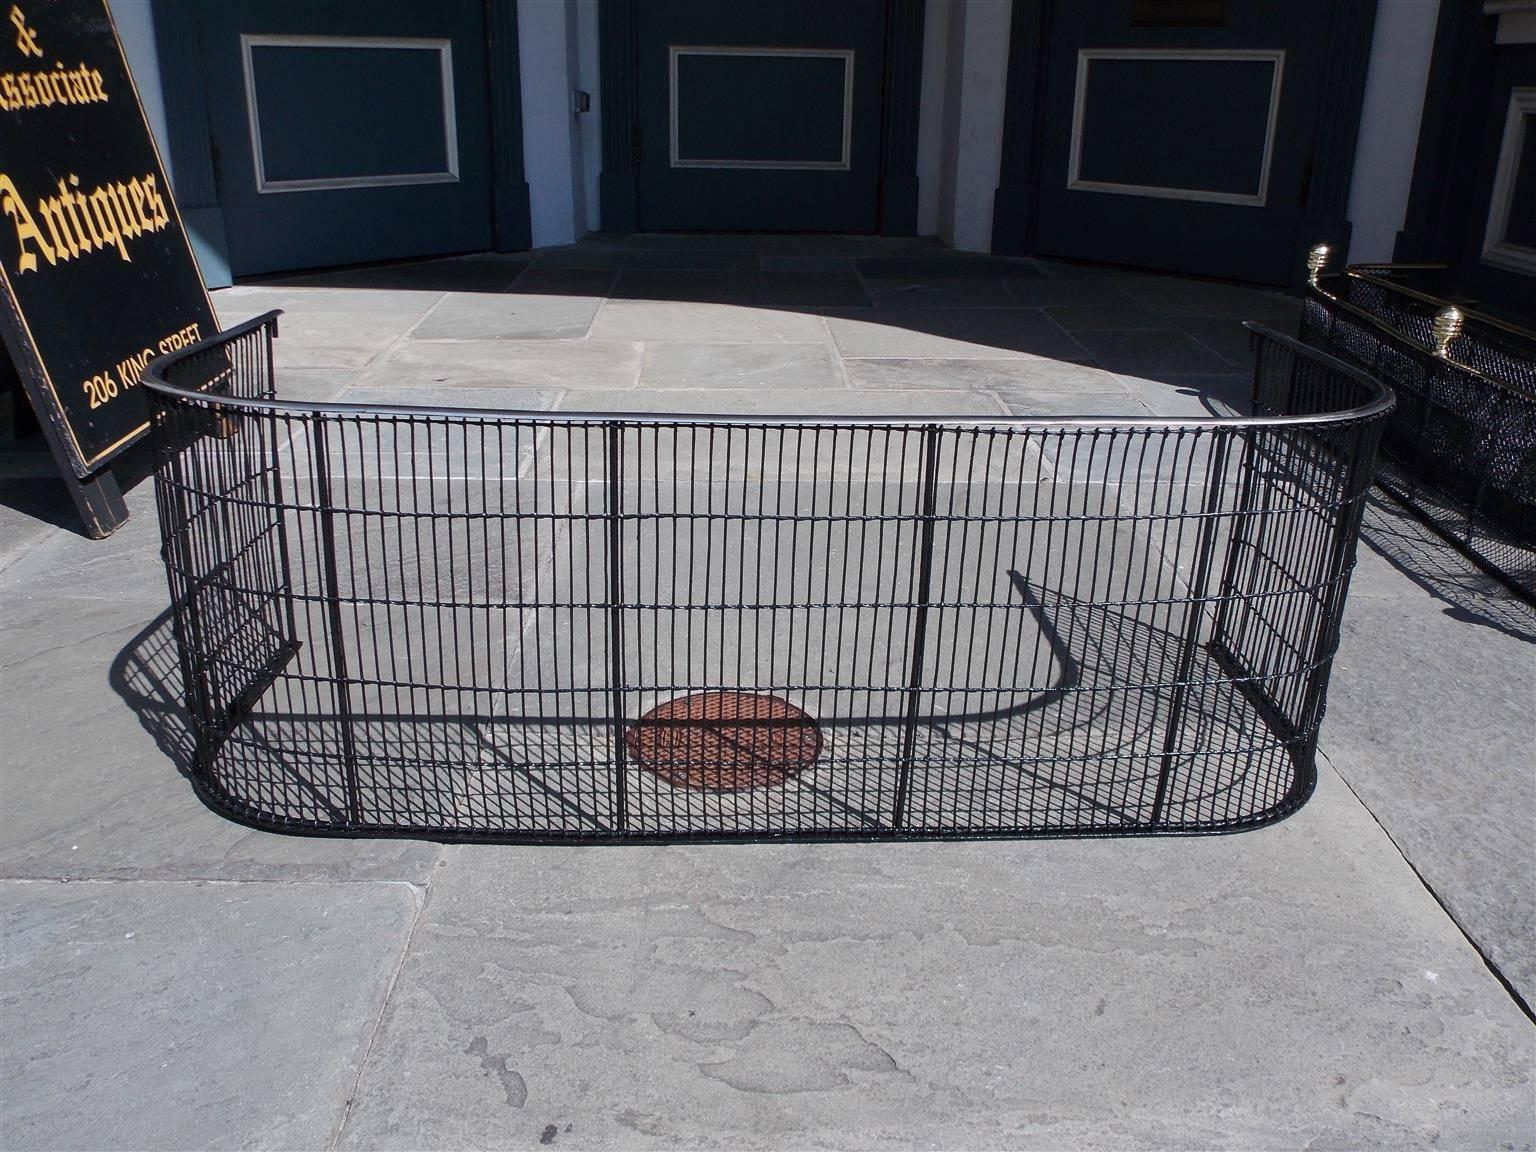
(589, 125)
(932, 105)
(960, 129)
(136, 30)
(1401, 46)
(983, 91)
(547, 56)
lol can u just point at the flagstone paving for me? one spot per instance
(175, 980)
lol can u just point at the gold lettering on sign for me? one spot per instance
(79, 85)
(101, 388)
(26, 39)
(78, 222)
(18, 90)
(15, 207)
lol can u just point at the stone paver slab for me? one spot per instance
(940, 292)
(175, 1015)
(1087, 317)
(453, 396)
(1029, 374)
(124, 566)
(487, 272)
(1142, 351)
(1030, 403)
(595, 282)
(626, 258)
(1172, 296)
(1193, 394)
(978, 333)
(1281, 988)
(1430, 718)
(769, 366)
(746, 242)
(806, 264)
(32, 509)
(825, 246)
(770, 289)
(325, 339)
(704, 323)
(943, 264)
(317, 385)
(509, 316)
(254, 299)
(1081, 291)
(1226, 336)
(546, 365)
(97, 743)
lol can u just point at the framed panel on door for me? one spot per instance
(347, 132)
(1206, 138)
(760, 117)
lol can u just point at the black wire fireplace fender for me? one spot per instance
(1460, 449)
(532, 626)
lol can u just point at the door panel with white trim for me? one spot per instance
(1509, 237)
(760, 116)
(1496, 266)
(1181, 144)
(347, 131)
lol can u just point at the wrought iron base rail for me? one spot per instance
(1460, 449)
(530, 626)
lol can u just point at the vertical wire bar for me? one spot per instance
(1476, 512)
(1204, 550)
(1420, 434)
(185, 622)
(269, 424)
(615, 432)
(929, 483)
(1248, 470)
(1228, 591)
(1335, 581)
(339, 681)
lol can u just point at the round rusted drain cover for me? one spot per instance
(724, 741)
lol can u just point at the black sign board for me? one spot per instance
(98, 275)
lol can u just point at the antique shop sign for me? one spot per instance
(98, 276)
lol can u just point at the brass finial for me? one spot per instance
(1447, 327)
(1317, 260)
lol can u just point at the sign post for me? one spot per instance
(98, 277)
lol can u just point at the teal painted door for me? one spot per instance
(348, 131)
(1496, 262)
(1182, 146)
(760, 116)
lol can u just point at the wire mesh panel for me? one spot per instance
(520, 626)
(1460, 449)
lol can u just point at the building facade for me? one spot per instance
(1209, 137)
